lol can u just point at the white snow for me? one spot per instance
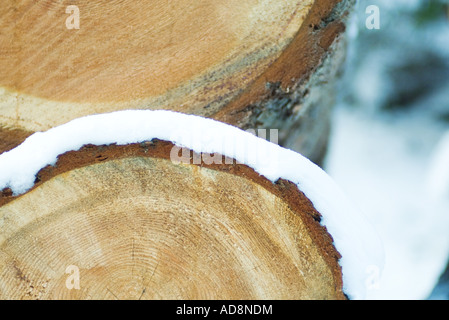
(354, 237)
(382, 163)
(438, 176)
(384, 154)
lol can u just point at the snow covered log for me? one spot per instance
(109, 207)
(138, 226)
(253, 64)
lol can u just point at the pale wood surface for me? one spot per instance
(145, 228)
(139, 227)
(212, 58)
(191, 56)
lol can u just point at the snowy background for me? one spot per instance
(388, 148)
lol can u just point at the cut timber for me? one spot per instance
(247, 63)
(138, 226)
(23, 168)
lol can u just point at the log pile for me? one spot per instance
(125, 222)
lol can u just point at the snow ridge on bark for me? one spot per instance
(354, 237)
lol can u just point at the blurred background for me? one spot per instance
(389, 147)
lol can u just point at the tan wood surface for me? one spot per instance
(138, 226)
(219, 59)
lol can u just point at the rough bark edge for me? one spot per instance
(324, 23)
(303, 113)
(281, 97)
(284, 189)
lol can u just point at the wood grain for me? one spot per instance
(204, 57)
(141, 227)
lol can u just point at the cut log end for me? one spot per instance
(205, 57)
(125, 222)
(128, 223)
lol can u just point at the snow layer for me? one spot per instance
(354, 237)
